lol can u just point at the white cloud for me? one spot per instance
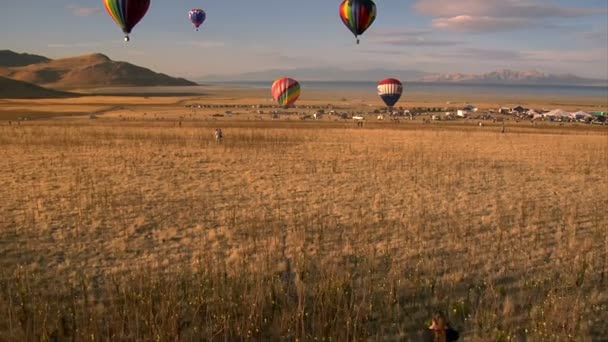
(467, 23)
(82, 11)
(409, 37)
(400, 32)
(502, 8)
(496, 15)
(413, 41)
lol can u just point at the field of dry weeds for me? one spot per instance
(152, 232)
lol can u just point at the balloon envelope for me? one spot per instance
(197, 17)
(390, 91)
(358, 15)
(127, 13)
(285, 91)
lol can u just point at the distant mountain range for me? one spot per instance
(506, 76)
(89, 71)
(503, 76)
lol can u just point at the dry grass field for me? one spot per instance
(142, 230)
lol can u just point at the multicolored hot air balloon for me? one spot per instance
(127, 13)
(285, 91)
(390, 91)
(197, 17)
(358, 15)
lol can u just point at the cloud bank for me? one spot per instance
(82, 11)
(496, 15)
(409, 37)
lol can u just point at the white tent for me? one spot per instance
(557, 113)
(581, 115)
(471, 108)
(462, 113)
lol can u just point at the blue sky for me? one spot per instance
(469, 36)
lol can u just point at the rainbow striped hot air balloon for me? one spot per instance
(390, 91)
(197, 17)
(285, 91)
(358, 15)
(127, 13)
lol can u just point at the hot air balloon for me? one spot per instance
(390, 91)
(127, 13)
(197, 17)
(285, 91)
(358, 15)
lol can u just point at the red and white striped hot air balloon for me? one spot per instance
(390, 91)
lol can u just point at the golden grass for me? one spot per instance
(148, 231)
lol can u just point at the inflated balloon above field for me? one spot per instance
(127, 13)
(390, 91)
(197, 17)
(358, 15)
(286, 91)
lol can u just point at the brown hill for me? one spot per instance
(13, 89)
(9, 58)
(90, 71)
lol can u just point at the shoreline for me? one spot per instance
(219, 98)
(414, 92)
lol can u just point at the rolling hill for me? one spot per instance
(13, 89)
(9, 58)
(89, 71)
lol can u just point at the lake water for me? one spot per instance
(413, 90)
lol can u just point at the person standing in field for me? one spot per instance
(439, 330)
(218, 135)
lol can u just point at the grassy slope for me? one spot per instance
(14, 89)
(155, 231)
